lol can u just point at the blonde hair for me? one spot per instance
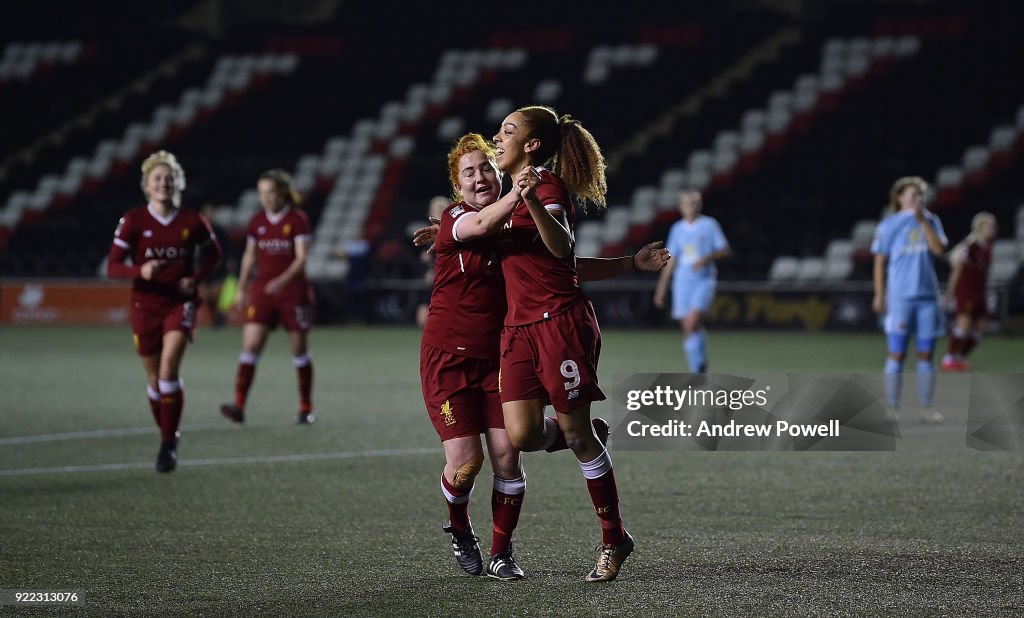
(695, 193)
(570, 151)
(437, 205)
(470, 142)
(162, 157)
(900, 185)
(283, 182)
(977, 221)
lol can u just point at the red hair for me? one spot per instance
(466, 144)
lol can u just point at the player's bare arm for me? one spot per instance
(551, 224)
(651, 258)
(662, 288)
(714, 256)
(878, 303)
(935, 244)
(245, 272)
(954, 278)
(490, 218)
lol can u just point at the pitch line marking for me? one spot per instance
(186, 463)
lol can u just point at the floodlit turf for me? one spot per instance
(343, 517)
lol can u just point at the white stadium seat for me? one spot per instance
(784, 268)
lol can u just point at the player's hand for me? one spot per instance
(241, 300)
(878, 304)
(659, 298)
(425, 236)
(150, 269)
(527, 181)
(274, 286)
(919, 214)
(187, 286)
(700, 263)
(652, 257)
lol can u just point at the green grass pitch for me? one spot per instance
(343, 517)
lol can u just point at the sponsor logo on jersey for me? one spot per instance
(448, 413)
(275, 245)
(164, 253)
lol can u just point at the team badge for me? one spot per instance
(447, 413)
(184, 234)
(455, 212)
(287, 229)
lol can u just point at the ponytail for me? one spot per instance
(570, 151)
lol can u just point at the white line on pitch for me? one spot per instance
(228, 461)
(97, 433)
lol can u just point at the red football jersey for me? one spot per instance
(977, 257)
(275, 237)
(538, 284)
(467, 307)
(176, 240)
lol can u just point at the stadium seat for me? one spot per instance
(840, 249)
(838, 269)
(1006, 250)
(811, 269)
(1002, 272)
(863, 233)
(784, 268)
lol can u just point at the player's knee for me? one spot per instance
(523, 437)
(579, 439)
(465, 475)
(506, 465)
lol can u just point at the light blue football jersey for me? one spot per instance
(911, 268)
(688, 242)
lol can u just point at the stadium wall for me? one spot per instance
(739, 305)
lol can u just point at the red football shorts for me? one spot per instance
(973, 305)
(554, 360)
(293, 312)
(460, 392)
(152, 317)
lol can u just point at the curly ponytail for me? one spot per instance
(570, 151)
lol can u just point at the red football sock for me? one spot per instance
(304, 366)
(554, 437)
(956, 344)
(243, 381)
(172, 400)
(154, 403)
(458, 505)
(506, 504)
(969, 342)
(605, 495)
